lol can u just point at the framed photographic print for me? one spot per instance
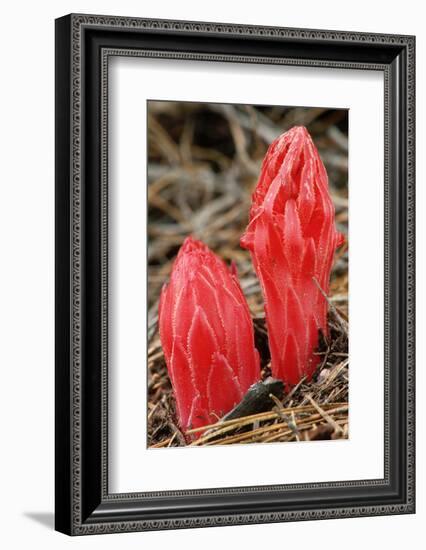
(234, 274)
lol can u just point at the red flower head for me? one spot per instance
(207, 336)
(292, 238)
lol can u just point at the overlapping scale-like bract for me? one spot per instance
(292, 239)
(207, 336)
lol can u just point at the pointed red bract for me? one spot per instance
(292, 239)
(207, 336)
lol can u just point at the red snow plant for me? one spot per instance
(292, 239)
(207, 336)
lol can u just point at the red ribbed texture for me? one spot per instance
(292, 239)
(207, 336)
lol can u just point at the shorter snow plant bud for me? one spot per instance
(207, 336)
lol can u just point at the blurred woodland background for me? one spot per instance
(203, 164)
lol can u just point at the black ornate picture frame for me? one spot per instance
(84, 43)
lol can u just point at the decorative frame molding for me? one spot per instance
(84, 44)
